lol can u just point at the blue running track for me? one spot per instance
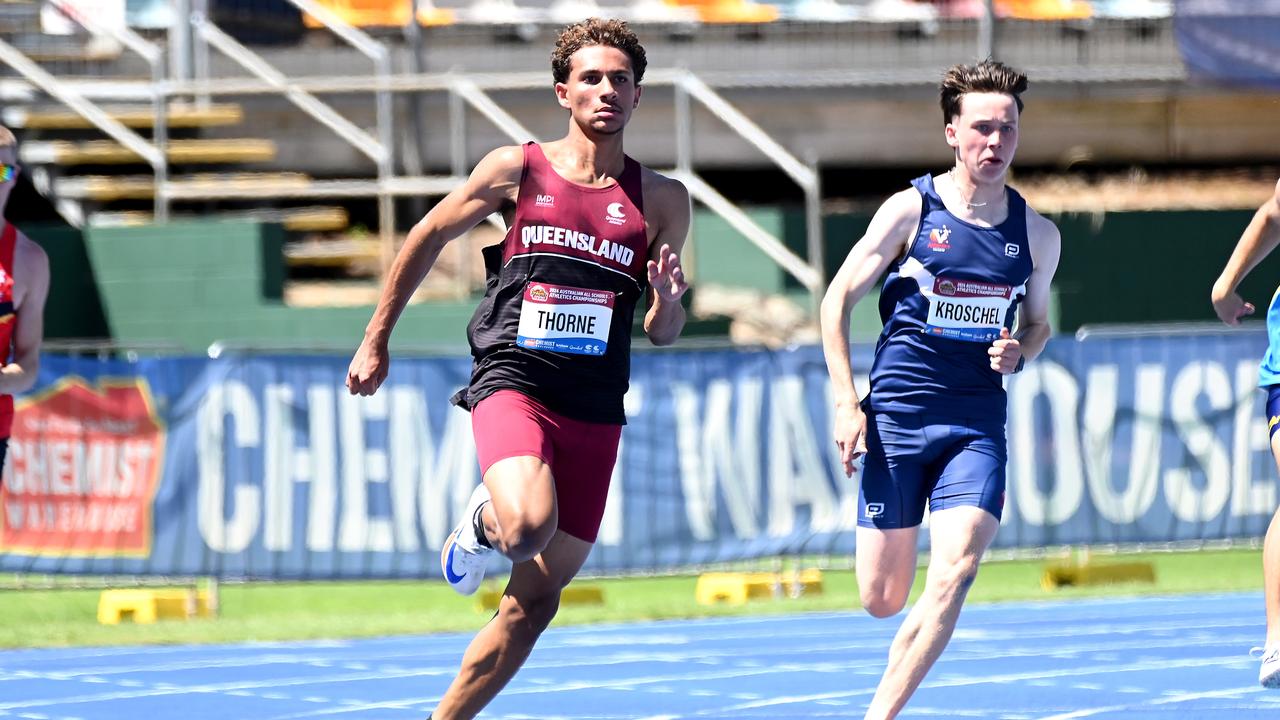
(1184, 657)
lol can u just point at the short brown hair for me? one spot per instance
(594, 31)
(989, 75)
(7, 138)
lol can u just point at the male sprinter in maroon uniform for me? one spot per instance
(591, 231)
(24, 285)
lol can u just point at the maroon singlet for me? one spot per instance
(560, 296)
(8, 318)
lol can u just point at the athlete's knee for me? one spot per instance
(883, 598)
(953, 578)
(524, 529)
(523, 538)
(527, 615)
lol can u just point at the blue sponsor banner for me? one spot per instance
(264, 466)
(1231, 41)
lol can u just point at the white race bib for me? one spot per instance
(565, 319)
(967, 309)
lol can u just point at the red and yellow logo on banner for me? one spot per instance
(84, 464)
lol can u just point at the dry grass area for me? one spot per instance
(1140, 190)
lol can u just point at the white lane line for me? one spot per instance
(1172, 699)
(961, 649)
(967, 681)
(240, 688)
(618, 684)
(212, 688)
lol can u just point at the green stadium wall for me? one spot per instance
(1119, 267)
(74, 308)
(188, 285)
(191, 284)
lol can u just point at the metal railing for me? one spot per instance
(809, 273)
(154, 56)
(378, 149)
(474, 91)
(152, 152)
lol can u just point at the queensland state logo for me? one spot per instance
(538, 293)
(940, 240)
(84, 466)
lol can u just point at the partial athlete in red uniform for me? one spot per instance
(591, 232)
(24, 285)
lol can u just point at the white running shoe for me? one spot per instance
(1269, 673)
(463, 558)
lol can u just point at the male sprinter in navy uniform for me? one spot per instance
(963, 252)
(591, 232)
(1258, 240)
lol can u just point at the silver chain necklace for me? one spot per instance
(968, 203)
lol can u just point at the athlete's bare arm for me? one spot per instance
(885, 241)
(667, 215)
(30, 289)
(1033, 317)
(1258, 240)
(492, 186)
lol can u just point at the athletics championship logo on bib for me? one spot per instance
(565, 319)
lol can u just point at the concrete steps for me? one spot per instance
(309, 219)
(112, 188)
(180, 115)
(184, 152)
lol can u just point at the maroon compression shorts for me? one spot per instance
(580, 454)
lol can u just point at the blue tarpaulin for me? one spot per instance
(264, 466)
(1230, 41)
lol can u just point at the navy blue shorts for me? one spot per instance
(946, 461)
(1273, 409)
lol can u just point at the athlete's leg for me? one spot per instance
(520, 517)
(886, 568)
(1269, 673)
(527, 494)
(501, 647)
(891, 500)
(514, 443)
(958, 537)
(514, 509)
(1271, 579)
(1271, 563)
(966, 499)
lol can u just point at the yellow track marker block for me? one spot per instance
(737, 588)
(1090, 573)
(488, 600)
(149, 605)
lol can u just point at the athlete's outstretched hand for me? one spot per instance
(1005, 353)
(666, 277)
(851, 435)
(1231, 308)
(368, 368)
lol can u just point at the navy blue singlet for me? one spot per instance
(943, 305)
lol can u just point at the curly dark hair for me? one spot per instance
(989, 75)
(594, 31)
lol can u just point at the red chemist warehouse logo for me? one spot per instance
(84, 465)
